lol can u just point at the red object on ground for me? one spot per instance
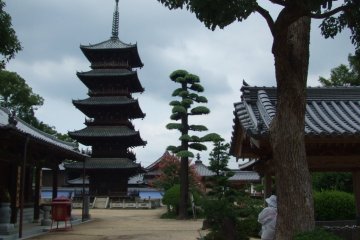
(61, 212)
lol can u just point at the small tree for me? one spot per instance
(17, 96)
(344, 75)
(219, 157)
(181, 110)
(169, 176)
(220, 211)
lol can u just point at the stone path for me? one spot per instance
(109, 224)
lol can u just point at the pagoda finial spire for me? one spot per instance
(115, 25)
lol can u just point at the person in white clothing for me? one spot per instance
(267, 218)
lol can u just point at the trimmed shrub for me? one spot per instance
(172, 197)
(317, 234)
(249, 227)
(334, 205)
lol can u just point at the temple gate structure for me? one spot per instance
(110, 110)
(332, 131)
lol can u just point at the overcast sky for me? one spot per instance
(51, 32)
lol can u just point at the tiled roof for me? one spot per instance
(112, 43)
(244, 176)
(329, 111)
(108, 72)
(203, 170)
(25, 128)
(247, 165)
(108, 100)
(112, 51)
(105, 131)
(104, 163)
(154, 166)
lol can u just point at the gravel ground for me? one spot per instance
(107, 224)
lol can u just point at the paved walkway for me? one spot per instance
(124, 224)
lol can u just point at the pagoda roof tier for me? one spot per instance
(104, 163)
(121, 134)
(128, 79)
(94, 105)
(113, 50)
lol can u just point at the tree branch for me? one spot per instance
(279, 2)
(329, 13)
(263, 12)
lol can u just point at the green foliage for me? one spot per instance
(172, 196)
(192, 79)
(175, 116)
(9, 43)
(179, 110)
(201, 99)
(219, 157)
(200, 110)
(171, 126)
(17, 96)
(198, 128)
(215, 13)
(183, 94)
(339, 181)
(343, 75)
(187, 102)
(198, 146)
(174, 103)
(249, 227)
(185, 138)
(249, 207)
(173, 149)
(349, 18)
(317, 234)
(176, 92)
(334, 205)
(178, 73)
(197, 87)
(211, 137)
(195, 139)
(185, 154)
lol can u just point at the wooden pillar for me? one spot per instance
(356, 186)
(37, 194)
(28, 191)
(267, 185)
(55, 172)
(13, 189)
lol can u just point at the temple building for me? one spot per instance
(110, 109)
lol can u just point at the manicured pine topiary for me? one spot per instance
(181, 110)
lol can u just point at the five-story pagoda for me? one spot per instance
(110, 109)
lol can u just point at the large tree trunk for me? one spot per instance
(293, 181)
(184, 188)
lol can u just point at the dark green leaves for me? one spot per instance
(171, 126)
(198, 146)
(179, 109)
(200, 110)
(9, 43)
(178, 74)
(211, 137)
(185, 154)
(198, 128)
